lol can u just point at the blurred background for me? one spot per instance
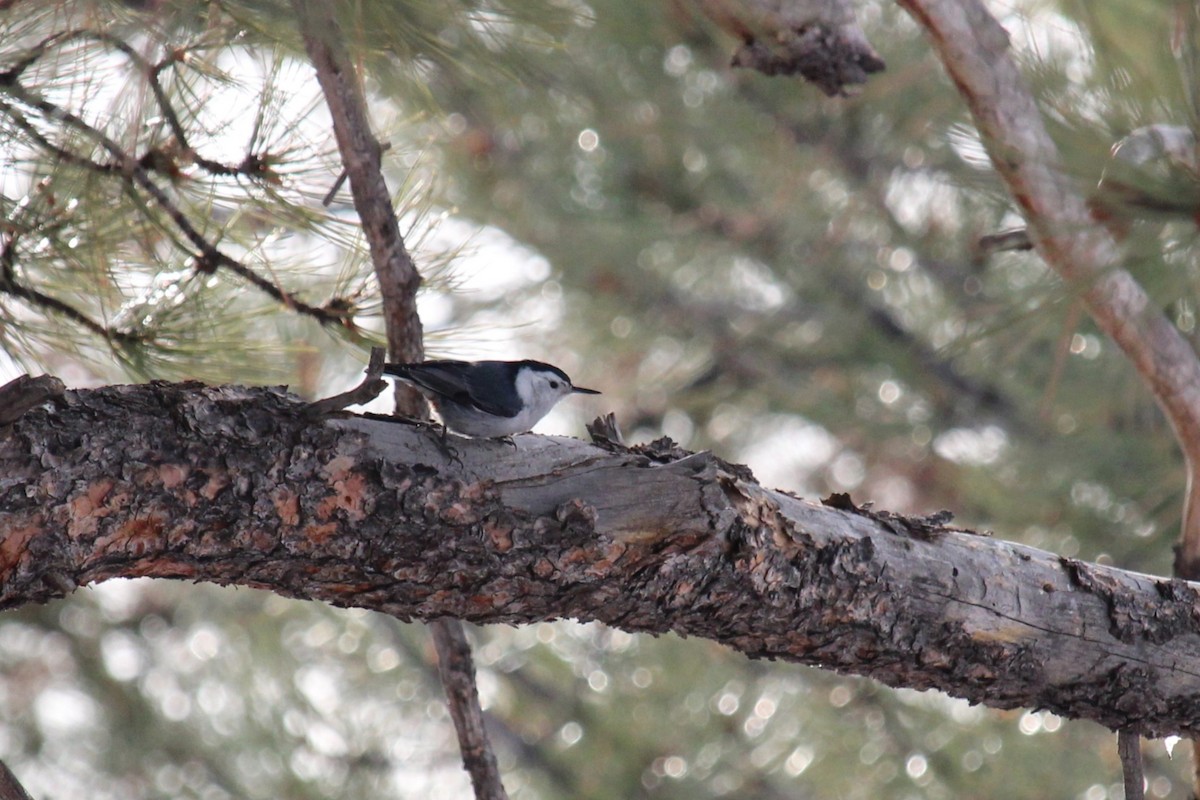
(739, 262)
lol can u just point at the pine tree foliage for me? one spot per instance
(790, 280)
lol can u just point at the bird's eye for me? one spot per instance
(553, 384)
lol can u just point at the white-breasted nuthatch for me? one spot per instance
(489, 399)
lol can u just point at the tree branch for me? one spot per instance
(10, 787)
(210, 257)
(238, 486)
(394, 267)
(370, 388)
(399, 281)
(974, 50)
(252, 166)
(24, 392)
(10, 286)
(973, 47)
(817, 39)
(1129, 748)
(457, 671)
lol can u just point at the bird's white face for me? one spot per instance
(540, 390)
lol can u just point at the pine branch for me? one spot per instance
(240, 486)
(10, 286)
(210, 258)
(252, 166)
(63, 154)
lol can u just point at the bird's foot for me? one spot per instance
(443, 443)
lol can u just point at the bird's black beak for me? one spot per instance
(581, 390)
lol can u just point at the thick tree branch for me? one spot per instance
(238, 486)
(975, 51)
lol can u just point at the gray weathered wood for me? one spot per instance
(238, 486)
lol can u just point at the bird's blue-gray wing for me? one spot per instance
(458, 384)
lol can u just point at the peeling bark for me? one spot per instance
(238, 486)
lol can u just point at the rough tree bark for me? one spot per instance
(399, 281)
(816, 39)
(974, 49)
(242, 486)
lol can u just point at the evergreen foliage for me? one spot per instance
(737, 261)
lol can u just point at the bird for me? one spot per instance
(488, 399)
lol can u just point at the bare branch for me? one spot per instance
(974, 49)
(394, 267)
(10, 787)
(370, 388)
(1129, 748)
(457, 670)
(23, 393)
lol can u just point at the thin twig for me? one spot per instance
(370, 388)
(23, 393)
(1062, 349)
(10, 286)
(61, 153)
(327, 200)
(992, 243)
(10, 787)
(1129, 748)
(457, 671)
(210, 257)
